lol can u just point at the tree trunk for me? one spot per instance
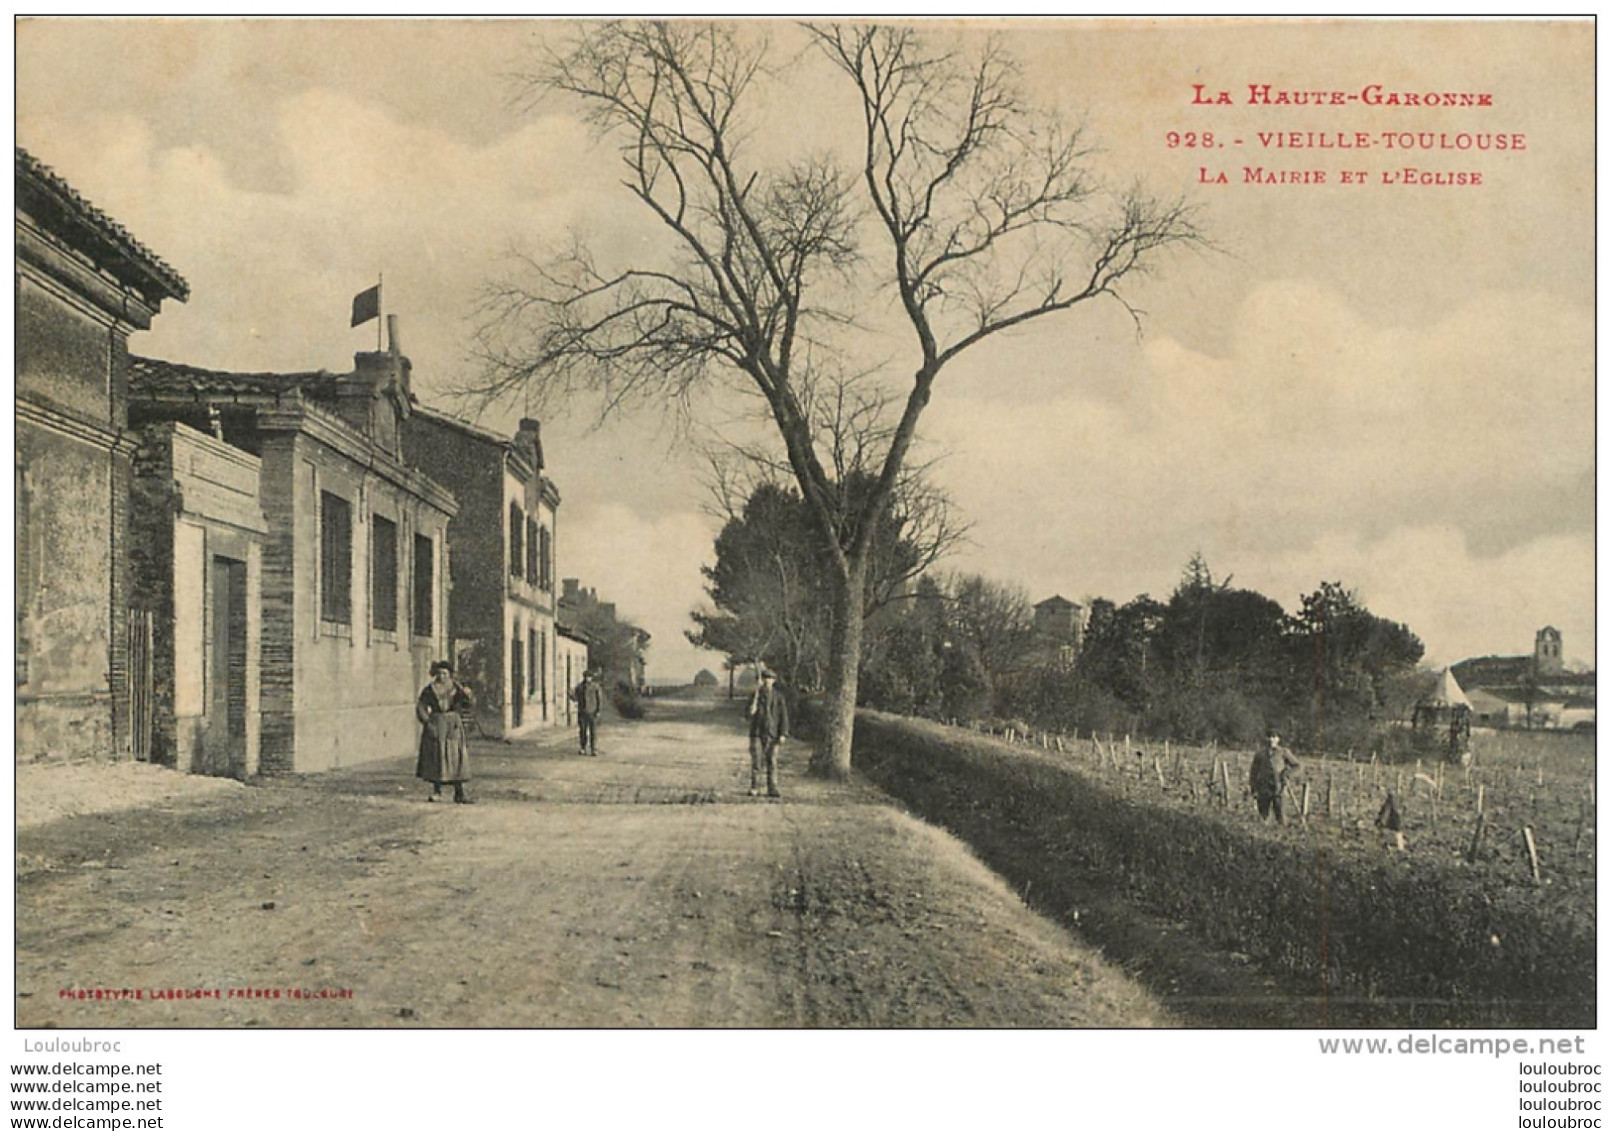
(832, 758)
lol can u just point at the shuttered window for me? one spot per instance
(383, 559)
(335, 559)
(517, 534)
(424, 585)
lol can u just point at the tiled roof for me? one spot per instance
(1513, 671)
(458, 423)
(150, 375)
(1057, 601)
(41, 189)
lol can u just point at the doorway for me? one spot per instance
(224, 752)
(517, 679)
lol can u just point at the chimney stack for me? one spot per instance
(528, 441)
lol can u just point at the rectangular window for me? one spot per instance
(424, 585)
(531, 550)
(542, 670)
(531, 662)
(545, 566)
(383, 601)
(517, 533)
(335, 559)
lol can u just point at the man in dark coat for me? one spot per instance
(769, 725)
(589, 698)
(1268, 777)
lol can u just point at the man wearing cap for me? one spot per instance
(769, 724)
(589, 698)
(1268, 776)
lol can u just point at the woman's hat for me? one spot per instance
(441, 666)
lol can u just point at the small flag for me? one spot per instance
(366, 305)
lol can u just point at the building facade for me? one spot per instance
(354, 581)
(196, 564)
(570, 664)
(82, 286)
(1535, 691)
(1059, 629)
(503, 625)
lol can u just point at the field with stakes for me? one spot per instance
(1478, 909)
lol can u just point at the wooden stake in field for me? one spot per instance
(1476, 838)
(1303, 811)
(1331, 812)
(1481, 789)
(1532, 852)
(1225, 780)
(1157, 764)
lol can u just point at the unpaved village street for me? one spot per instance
(641, 888)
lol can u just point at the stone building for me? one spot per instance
(354, 552)
(615, 647)
(197, 571)
(1059, 628)
(1535, 691)
(83, 285)
(570, 663)
(502, 625)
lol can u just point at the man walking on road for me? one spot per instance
(769, 724)
(589, 698)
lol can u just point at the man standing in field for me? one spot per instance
(1268, 777)
(589, 698)
(769, 723)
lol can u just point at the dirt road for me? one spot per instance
(642, 888)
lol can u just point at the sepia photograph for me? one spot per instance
(1071, 526)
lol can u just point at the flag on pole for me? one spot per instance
(366, 305)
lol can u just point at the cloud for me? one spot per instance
(1317, 438)
(272, 272)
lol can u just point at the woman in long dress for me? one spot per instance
(444, 753)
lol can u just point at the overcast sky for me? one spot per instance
(1388, 386)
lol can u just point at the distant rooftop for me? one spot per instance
(153, 375)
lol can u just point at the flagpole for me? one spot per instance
(380, 308)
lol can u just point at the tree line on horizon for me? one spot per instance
(1211, 662)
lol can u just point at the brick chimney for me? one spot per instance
(376, 393)
(529, 443)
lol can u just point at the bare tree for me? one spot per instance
(975, 211)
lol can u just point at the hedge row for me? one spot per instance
(1390, 938)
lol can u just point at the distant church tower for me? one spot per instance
(1547, 651)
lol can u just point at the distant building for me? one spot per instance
(82, 286)
(570, 663)
(503, 622)
(1059, 629)
(1528, 691)
(354, 550)
(616, 647)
